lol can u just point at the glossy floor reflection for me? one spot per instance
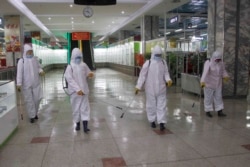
(191, 139)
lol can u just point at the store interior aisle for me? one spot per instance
(191, 139)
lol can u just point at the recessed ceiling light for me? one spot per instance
(71, 5)
(113, 22)
(93, 22)
(72, 18)
(49, 18)
(122, 12)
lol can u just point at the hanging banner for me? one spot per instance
(36, 35)
(12, 33)
(80, 36)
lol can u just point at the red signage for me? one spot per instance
(80, 36)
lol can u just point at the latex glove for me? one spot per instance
(42, 73)
(203, 84)
(91, 74)
(80, 93)
(226, 79)
(169, 83)
(137, 91)
(18, 87)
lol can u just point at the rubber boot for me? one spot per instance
(77, 126)
(153, 125)
(221, 114)
(209, 114)
(32, 120)
(162, 127)
(36, 117)
(85, 126)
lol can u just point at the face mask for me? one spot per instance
(29, 56)
(78, 60)
(157, 55)
(157, 58)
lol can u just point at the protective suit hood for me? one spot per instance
(76, 52)
(157, 50)
(26, 48)
(216, 55)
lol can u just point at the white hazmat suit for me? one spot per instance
(76, 75)
(154, 74)
(28, 70)
(211, 80)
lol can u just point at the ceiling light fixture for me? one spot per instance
(23, 9)
(203, 35)
(1, 29)
(178, 30)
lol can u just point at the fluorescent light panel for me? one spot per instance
(203, 35)
(178, 30)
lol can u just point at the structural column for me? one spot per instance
(149, 30)
(228, 31)
(123, 34)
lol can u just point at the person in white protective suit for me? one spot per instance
(211, 80)
(155, 76)
(28, 80)
(76, 75)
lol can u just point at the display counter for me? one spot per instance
(191, 83)
(8, 109)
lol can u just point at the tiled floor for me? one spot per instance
(191, 139)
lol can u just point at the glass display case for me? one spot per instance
(8, 109)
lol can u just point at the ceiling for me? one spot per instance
(58, 17)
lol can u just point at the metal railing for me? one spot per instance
(8, 73)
